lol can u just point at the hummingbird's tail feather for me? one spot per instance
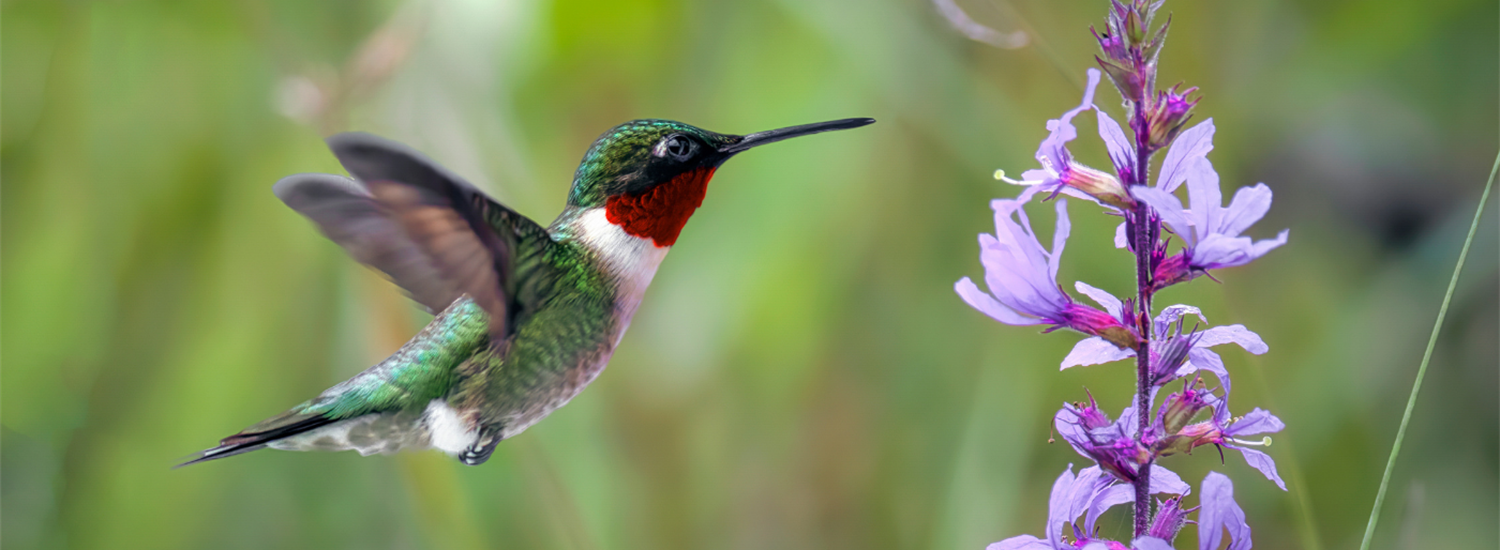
(373, 433)
(261, 435)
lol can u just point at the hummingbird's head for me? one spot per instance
(650, 175)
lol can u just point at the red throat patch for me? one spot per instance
(660, 213)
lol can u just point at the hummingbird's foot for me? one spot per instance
(483, 447)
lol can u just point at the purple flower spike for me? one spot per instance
(1175, 343)
(1060, 173)
(1022, 278)
(1217, 512)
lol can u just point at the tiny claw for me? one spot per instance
(483, 447)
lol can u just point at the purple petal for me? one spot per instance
(1020, 240)
(1169, 208)
(1120, 236)
(1126, 424)
(987, 305)
(1171, 314)
(1081, 494)
(1194, 143)
(1094, 351)
(1059, 238)
(1036, 176)
(1233, 334)
(1216, 251)
(1166, 481)
(1058, 505)
(1016, 234)
(1111, 304)
(1121, 151)
(1258, 421)
(1263, 462)
(1118, 493)
(1217, 511)
(1016, 266)
(1262, 247)
(1068, 426)
(1203, 359)
(1023, 542)
(1221, 408)
(1053, 151)
(1249, 205)
(1204, 199)
(1150, 543)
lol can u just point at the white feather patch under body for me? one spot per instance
(438, 427)
(382, 433)
(446, 431)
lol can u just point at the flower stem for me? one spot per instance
(1416, 386)
(1143, 247)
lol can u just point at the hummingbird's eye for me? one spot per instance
(676, 147)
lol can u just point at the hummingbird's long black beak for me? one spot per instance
(772, 136)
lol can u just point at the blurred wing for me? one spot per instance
(433, 234)
(351, 217)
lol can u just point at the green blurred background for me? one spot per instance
(802, 374)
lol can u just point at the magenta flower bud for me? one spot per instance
(1111, 44)
(1112, 445)
(1169, 356)
(1167, 113)
(1131, 80)
(1173, 270)
(1130, 48)
(1188, 438)
(1090, 416)
(1099, 184)
(1180, 408)
(1093, 322)
(1170, 517)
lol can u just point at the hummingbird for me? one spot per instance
(526, 316)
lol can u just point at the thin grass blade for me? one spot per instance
(1416, 387)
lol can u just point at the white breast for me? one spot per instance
(630, 259)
